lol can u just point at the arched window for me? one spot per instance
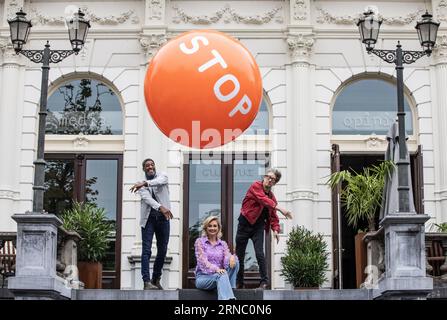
(261, 123)
(368, 106)
(85, 106)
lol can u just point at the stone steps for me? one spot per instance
(241, 294)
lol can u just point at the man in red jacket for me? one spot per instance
(258, 212)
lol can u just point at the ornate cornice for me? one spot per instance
(39, 18)
(152, 42)
(300, 47)
(299, 10)
(327, 17)
(228, 15)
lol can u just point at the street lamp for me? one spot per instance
(20, 28)
(369, 27)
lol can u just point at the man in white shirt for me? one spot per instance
(154, 218)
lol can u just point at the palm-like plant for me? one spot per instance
(91, 224)
(362, 193)
(442, 227)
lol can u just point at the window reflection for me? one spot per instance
(368, 107)
(59, 183)
(84, 106)
(245, 172)
(204, 198)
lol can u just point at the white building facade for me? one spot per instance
(314, 70)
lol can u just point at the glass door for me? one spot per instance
(216, 185)
(89, 178)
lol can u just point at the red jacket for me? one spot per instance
(254, 202)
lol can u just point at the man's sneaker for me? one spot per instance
(149, 286)
(157, 284)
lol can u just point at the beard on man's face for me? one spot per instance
(150, 176)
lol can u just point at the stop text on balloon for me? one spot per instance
(244, 104)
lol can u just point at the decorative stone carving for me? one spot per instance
(13, 7)
(9, 194)
(111, 19)
(326, 17)
(228, 15)
(155, 9)
(80, 141)
(152, 42)
(440, 51)
(38, 18)
(8, 53)
(441, 11)
(374, 142)
(299, 10)
(301, 195)
(300, 46)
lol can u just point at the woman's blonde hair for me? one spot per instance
(207, 221)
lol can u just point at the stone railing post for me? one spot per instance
(35, 276)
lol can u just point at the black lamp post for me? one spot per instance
(369, 27)
(20, 27)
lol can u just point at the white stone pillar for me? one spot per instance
(153, 142)
(300, 165)
(440, 124)
(150, 142)
(9, 136)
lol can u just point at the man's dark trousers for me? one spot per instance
(246, 231)
(156, 223)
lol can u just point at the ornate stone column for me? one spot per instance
(10, 121)
(440, 122)
(300, 165)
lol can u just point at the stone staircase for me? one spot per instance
(242, 294)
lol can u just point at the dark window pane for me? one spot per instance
(101, 185)
(84, 106)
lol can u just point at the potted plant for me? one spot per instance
(305, 262)
(361, 195)
(91, 224)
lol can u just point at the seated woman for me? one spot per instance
(216, 266)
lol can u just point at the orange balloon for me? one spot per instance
(203, 89)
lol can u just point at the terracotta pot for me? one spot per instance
(360, 258)
(91, 274)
